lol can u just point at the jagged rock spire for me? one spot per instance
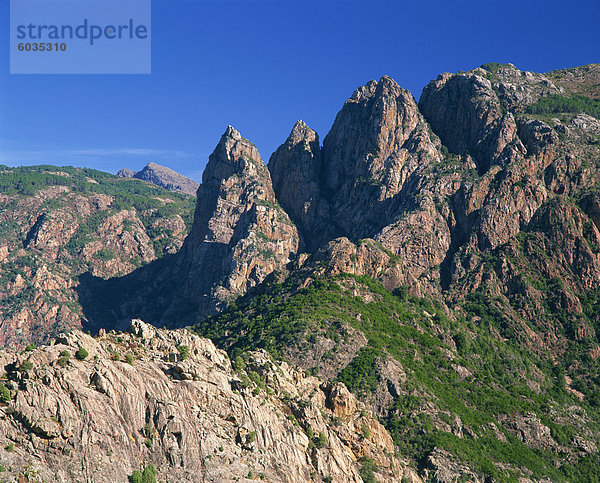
(240, 233)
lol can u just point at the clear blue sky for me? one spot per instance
(261, 65)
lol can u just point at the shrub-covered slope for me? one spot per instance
(455, 390)
(57, 223)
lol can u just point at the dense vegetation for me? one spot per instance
(407, 329)
(556, 104)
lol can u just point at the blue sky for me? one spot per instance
(261, 65)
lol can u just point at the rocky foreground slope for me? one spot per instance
(172, 399)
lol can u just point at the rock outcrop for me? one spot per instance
(240, 233)
(378, 143)
(179, 405)
(125, 173)
(467, 115)
(295, 169)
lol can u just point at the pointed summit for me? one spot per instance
(240, 235)
(234, 155)
(300, 127)
(295, 168)
(377, 142)
(231, 132)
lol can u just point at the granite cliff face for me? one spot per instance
(240, 233)
(377, 145)
(295, 169)
(192, 416)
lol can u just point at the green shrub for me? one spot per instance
(5, 395)
(65, 357)
(312, 371)
(11, 447)
(462, 342)
(81, 354)
(146, 476)
(402, 291)
(365, 431)
(105, 254)
(129, 359)
(2, 469)
(251, 437)
(184, 351)
(238, 364)
(149, 474)
(367, 470)
(29, 348)
(25, 366)
(321, 441)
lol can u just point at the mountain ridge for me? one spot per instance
(441, 259)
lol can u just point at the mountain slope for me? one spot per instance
(57, 224)
(499, 226)
(178, 404)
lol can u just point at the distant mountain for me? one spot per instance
(163, 177)
(125, 173)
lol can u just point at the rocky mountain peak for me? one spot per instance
(232, 132)
(377, 142)
(474, 112)
(240, 233)
(163, 177)
(371, 128)
(301, 131)
(295, 167)
(237, 156)
(465, 112)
